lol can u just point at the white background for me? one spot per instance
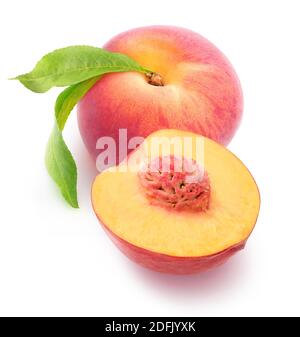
(55, 260)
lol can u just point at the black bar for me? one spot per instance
(155, 326)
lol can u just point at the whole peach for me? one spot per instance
(194, 88)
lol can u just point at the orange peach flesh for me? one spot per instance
(120, 202)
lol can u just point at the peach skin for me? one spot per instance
(193, 87)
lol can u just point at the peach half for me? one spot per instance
(180, 203)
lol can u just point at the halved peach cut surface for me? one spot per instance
(179, 200)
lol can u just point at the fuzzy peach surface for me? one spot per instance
(201, 91)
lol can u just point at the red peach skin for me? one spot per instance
(201, 94)
(172, 264)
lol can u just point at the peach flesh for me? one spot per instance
(195, 88)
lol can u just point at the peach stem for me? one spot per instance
(155, 79)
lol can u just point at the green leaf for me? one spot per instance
(79, 67)
(59, 161)
(71, 65)
(61, 166)
(67, 100)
